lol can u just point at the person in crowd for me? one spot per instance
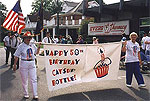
(133, 60)
(55, 39)
(15, 42)
(80, 40)
(62, 40)
(123, 37)
(47, 39)
(143, 46)
(95, 40)
(69, 39)
(122, 58)
(27, 64)
(7, 44)
(147, 42)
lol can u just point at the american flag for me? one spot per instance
(15, 20)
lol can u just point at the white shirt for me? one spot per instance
(147, 45)
(13, 42)
(32, 41)
(45, 40)
(7, 40)
(132, 50)
(55, 40)
(26, 51)
(143, 42)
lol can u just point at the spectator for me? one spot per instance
(15, 42)
(55, 39)
(7, 44)
(80, 40)
(143, 45)
(47, 39)
(69, 39)
(95, 40)
(147, 42)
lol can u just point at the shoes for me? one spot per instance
(26, 96)
(35, 97)
(128, 85)
(142, 85)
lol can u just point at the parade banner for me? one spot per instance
(67, 65)
(109, 28)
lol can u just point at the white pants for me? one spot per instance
(28, 68)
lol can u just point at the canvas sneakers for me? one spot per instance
(35, 97)
(142, 85)
(128, 85)
(26, 96)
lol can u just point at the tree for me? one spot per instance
(3, 12)
(48, 5)
(84, 28)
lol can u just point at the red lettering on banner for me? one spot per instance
(71, 51)
(61, 81)
(65, 62)
(53, 72)
(68, 79)
(53, 82)
(60, 53)
(56, 61)
(75, 77)
(50, 62)
(51, 53)
(68, 70)
(72, 63)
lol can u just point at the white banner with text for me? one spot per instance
(67, 65)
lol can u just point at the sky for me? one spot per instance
(26, 4)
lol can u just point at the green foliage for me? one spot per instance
(48, 5)
(84, 27)
(3, 10)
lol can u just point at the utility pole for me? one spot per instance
(57, 27)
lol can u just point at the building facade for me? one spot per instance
(135, 11)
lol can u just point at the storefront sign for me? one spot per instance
(109, 28)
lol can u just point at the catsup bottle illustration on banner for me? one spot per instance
(102, 66)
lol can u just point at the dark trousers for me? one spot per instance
(133, 68)
(12, 58)
(8, 50)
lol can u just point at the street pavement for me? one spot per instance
(11, 88)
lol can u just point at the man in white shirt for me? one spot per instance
(15, 42)
(143, 46)
(147, 42)
(47, 39)
(7, 45)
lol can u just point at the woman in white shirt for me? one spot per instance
(133, 60)
(26, 52)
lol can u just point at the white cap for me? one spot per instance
(133, 33)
